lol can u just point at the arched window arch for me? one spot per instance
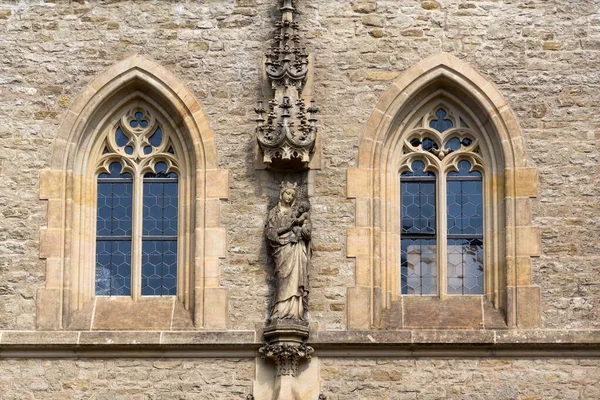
(133, 200)
(442, 131)
(141, 246)
(442, 185)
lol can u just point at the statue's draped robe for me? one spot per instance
(291, 265)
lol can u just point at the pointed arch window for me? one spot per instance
(137, 208)
(442, 217)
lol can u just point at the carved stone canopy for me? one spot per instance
(286, 130)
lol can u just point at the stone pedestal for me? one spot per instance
(286, 370)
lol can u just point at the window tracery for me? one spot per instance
(442, 112)
(137, 209)
(441, 190)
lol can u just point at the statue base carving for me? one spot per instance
(286, 369)
(286, 331)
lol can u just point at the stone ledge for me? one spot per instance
(417, 337)
(130, 338)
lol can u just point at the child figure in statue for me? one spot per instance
(303, 209)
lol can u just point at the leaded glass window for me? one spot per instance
(441, 219)
(419, 264)
(137, 210)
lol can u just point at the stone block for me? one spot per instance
(119, 338)
(216, 308)
(182, 318)
(306, 382)
(211, 272)
(493, 318)
(51, 184)
(526, 182)
(358, 242)
(217, 184)
(212, 212)
(523, 272)
(359, 308)
(48, 306)
(39, 338)
(215, 242)
(56, 214)
(122, 313)
(359, 183)
(528, 307)
(363, 273)
(50, 243)
(528, 241)
(456, 312)
(442, 336)
(362, 213)
(208, 337)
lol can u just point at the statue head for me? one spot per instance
(288, 191)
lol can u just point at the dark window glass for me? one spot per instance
(418, 256)
(113, 233)
(159, 233)
(418, 270)
(441, 124)
(465, 230)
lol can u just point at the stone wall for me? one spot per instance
(529, 50)
(343, 379)
(544, 57)
(224, 379)
(501, 379)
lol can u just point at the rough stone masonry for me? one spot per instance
(543, 56)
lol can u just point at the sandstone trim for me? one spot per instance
(67, 243)
(511, 179)
(522, 343)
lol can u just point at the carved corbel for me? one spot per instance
(286, 356)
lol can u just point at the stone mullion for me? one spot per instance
(441, 236)
(136, 235)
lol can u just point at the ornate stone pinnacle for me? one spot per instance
(287, 131)
(286, 356)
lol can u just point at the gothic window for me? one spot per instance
(441, 189)
(137, 209)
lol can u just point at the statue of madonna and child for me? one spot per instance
(288, 233)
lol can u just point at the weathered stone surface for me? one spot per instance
(542, 57)
(346, 378)
(221, 379)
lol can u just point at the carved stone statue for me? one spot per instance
(288, 233)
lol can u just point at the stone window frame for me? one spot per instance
(374, 241)
(481, 159)
(67, 300)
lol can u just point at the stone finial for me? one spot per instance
(286, 131)
(286, 356)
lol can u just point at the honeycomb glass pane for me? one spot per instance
(160, 208)
(465, 205)
(159, 268)
(418, 269)
(465, 266)
(418, 201)
(114, 206)
(113, 268)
